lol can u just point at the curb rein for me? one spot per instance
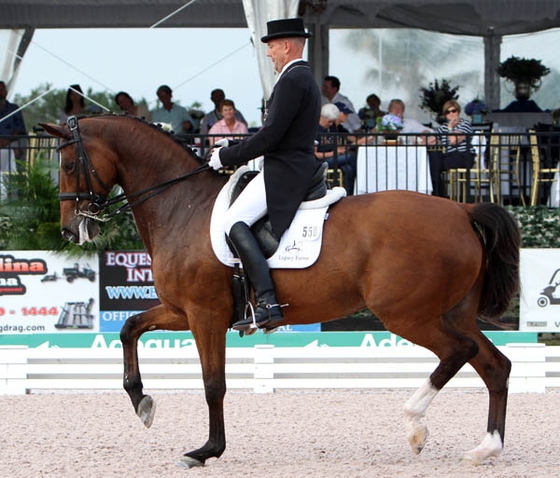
(98, 202)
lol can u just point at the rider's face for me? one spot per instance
(277, 53)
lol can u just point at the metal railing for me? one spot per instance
(503, 170)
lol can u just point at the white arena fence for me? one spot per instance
(263, 368)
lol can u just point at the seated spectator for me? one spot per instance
(331, 94)
(332, 149)
(126, 104)
(229, 124)
(171, 113)
(454, 136)
(369, 114)
(344, 113)
(11, 148)
(212, 117)
(410, 125)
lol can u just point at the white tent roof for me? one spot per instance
(490, 19)
(466, 17)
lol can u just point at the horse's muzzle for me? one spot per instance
(80, 230)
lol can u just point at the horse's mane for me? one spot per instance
(157, 126)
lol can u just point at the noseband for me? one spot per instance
(97, 202)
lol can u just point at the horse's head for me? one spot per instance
(87, 175)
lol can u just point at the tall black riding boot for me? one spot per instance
(268, 312)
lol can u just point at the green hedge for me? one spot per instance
(540, 227)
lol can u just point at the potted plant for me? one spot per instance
(476, 109)
(525, 73)
(435, 95)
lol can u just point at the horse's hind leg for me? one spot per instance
(494, 369)
(454, 350)
(156, 318)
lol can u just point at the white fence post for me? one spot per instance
(264, 372)
(13, 373)
(528, 372)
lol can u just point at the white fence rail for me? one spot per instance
(263, 368)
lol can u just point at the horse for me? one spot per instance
(427, 267)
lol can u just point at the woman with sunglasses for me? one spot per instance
(454, 136)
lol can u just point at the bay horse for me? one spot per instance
(426, 266)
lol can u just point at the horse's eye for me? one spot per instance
(69, 166)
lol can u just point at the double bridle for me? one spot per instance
(97, 202)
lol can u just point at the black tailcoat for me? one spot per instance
(287, 142)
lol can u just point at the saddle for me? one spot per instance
(262, 229)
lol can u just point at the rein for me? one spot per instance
(98, 202)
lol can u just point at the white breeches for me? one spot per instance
(250, 205)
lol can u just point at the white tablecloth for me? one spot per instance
(382, 168)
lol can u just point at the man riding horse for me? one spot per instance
(286, 141)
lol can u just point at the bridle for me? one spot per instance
(98, 202)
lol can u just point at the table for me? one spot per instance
(388, 167)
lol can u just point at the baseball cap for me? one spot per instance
(343, 108)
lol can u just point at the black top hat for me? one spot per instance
(285, 28)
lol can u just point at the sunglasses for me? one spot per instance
(450, 110)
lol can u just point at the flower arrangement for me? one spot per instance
(389, 122)
(436, 94)
(523, 70)
(476, 107)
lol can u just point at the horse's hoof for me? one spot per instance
(189, 462)
(146, 411)
(417, 438)
(469, 461)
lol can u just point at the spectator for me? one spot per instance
(334, 148)
(11, 126)
(171, 113)
(454, 136)
(410, 125)
(212, 117)
(229, 124)
(127, 104)
(369, 114)
(75, 104)
(331, 94)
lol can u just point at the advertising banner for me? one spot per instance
(180, 340)
(126, 287)
(43, 292)
(539, 305)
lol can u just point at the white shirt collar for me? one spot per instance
(286, 66)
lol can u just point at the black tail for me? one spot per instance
(500, 235)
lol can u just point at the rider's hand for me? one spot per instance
(215, 162)
(222, 142)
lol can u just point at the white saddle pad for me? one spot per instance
(299, 246)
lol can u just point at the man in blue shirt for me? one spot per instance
(171, 113)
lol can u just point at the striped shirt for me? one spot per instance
(464, 128)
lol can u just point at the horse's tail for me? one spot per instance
(501, 239)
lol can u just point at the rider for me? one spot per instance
(286, 140)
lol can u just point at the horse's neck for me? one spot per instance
(183, 205)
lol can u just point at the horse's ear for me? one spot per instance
(56, 130)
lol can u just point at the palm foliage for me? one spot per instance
(30, 216)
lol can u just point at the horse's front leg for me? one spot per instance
(156, 318)
(211, 343)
